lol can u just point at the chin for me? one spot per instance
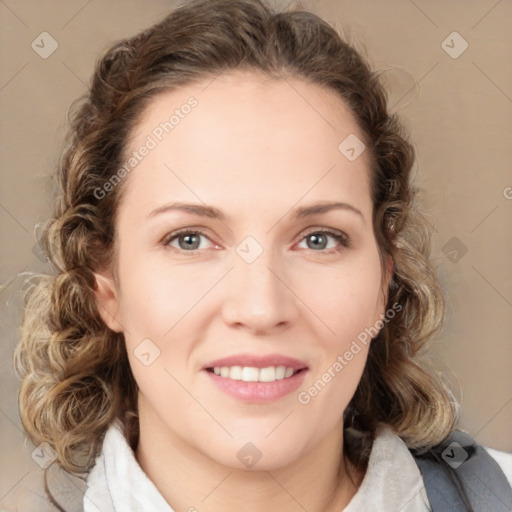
(262, 455)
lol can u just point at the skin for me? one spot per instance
(257, 149)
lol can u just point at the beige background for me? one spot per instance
(459, 113)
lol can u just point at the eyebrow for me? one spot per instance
(215, 213)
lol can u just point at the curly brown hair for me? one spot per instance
(74, 370)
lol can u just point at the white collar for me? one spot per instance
(117, 483)
(392, 481)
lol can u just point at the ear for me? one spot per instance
(107, 300)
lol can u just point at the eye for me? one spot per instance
(186, 240)
(318, 240)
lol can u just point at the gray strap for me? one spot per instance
(460, 476)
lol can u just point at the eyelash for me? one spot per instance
(340, 237)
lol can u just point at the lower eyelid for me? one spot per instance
(168, 239)
(341, 238)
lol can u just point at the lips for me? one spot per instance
(254, 361)
(253, 374)
(257, 379)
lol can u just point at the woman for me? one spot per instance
(243, 295)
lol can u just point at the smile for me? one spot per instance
(255, 378)
(252, 374)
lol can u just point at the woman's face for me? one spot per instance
(261, 282)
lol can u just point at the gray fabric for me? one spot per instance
(461, 476)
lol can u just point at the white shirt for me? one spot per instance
(392, 481)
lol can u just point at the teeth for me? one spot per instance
(267, 374)
(235, 373)
(252, 374)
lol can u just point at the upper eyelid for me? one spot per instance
(169, 237)
(333, 231)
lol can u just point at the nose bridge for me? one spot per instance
(257, 297)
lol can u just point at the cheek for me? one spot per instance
(161, 308)
(346, 300)
(155, 295)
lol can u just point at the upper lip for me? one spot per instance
(256, 361)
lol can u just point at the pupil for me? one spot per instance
(189, 242)
(316, 238)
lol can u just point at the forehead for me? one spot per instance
(243, 132)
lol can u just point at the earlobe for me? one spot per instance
(107, 301)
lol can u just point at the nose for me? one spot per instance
(259, 298)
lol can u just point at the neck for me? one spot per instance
(318, 481)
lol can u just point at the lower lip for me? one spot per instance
(258, 392)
